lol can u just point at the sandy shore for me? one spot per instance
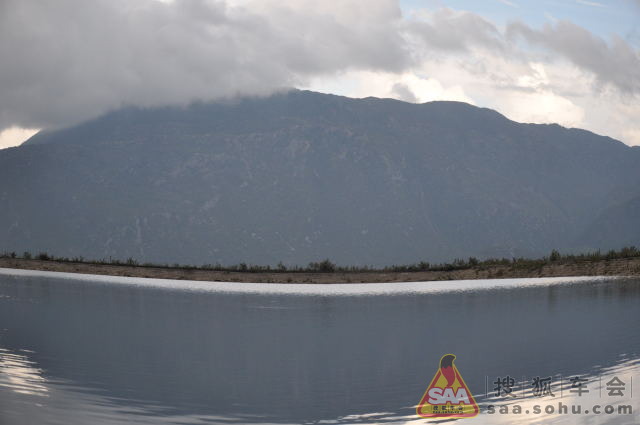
(616, 267)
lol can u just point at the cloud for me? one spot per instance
(402, 92)
(14, 136)
(72, 59)
(632, 135)
(65, 61)
(452, 31)
(590, 3)
(615, 62)
(408, 86)
(542, 107)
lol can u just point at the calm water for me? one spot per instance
(99, 350)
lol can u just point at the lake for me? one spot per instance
(78, 349)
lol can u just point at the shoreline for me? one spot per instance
(604, 267)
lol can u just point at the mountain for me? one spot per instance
(301, 176)
(616, 225)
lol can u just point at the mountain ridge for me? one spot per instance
(301, 176)
(119, 113)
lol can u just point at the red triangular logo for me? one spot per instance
(447, 396)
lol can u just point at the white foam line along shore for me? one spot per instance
(307, 288)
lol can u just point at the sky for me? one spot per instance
(572, 62)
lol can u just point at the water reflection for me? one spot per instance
(106, 354)
(569, 404)
(19, 374)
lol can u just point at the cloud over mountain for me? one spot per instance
(67, 61)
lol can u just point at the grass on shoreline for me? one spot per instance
(326, 266)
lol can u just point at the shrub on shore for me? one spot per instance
(326, 266)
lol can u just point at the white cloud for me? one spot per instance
(407, 86)
(14, 136)
(590, 3)
(542, 107)
(632, 136)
